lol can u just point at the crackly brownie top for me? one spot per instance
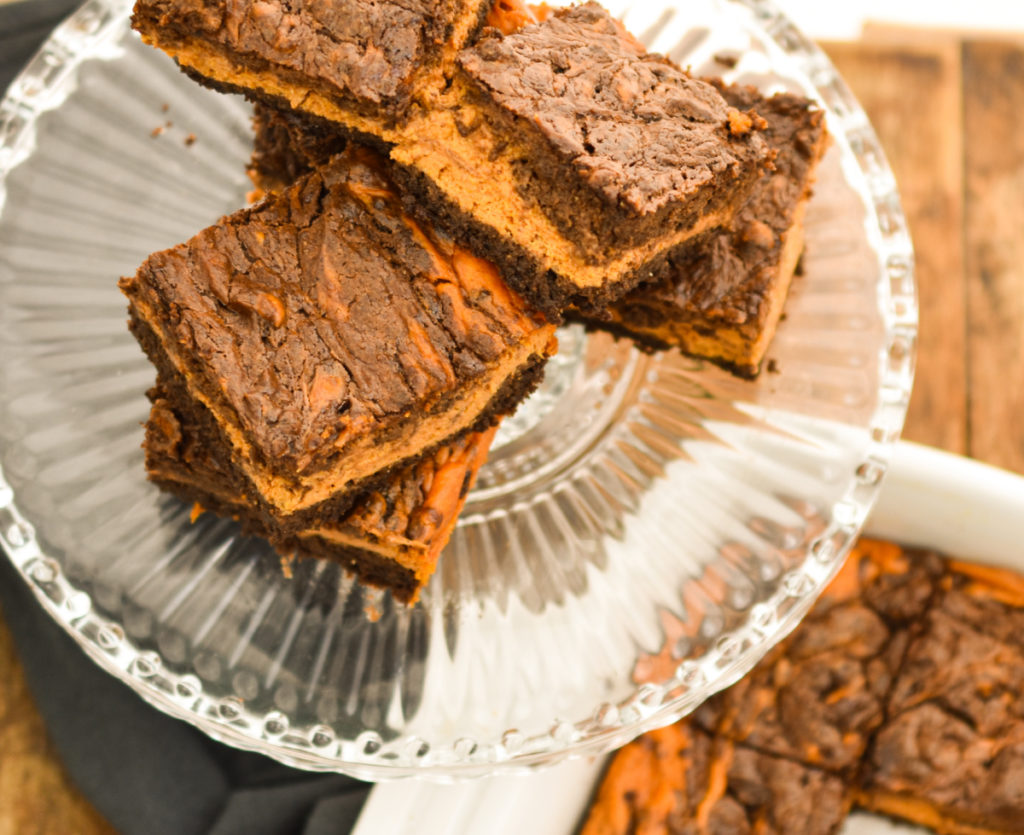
(955, 739)
(370, 49)
(970, 658)
(818, 700)
(639, 131)
(326, 311)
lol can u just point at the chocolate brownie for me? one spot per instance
(681, 781)
(333, 338)
(819, 695)
(722, 296)
(288, 146)
(563, 150)
(361, 63)
(951, 755)
(392, 537)
(577, 159)
(931, 767)
(934, 735)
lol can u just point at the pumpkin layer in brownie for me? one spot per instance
(334, 339)
(391, 537)
(722, 296)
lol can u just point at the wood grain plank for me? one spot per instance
(36, 795)
(912, 93)
(994, 152)
(906, 34)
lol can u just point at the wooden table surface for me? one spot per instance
(948, 111)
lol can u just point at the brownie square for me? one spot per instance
(933, 768)
(722, 296)
(577, 159)
(818, 697)
(951, 755)
(333, 338)
(361, 63)
(681, 781)
(392, 537)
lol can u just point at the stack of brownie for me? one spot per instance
(328, 371)
(899, 693)
(443, 182)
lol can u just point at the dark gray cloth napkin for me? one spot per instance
(145, 772)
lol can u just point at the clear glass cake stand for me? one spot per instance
(647, 527)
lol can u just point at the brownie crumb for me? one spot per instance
(288, 566)
(159, 129)
(758, 233)
(740, 124)
(164, 107)
(773, 367)
(190, 140)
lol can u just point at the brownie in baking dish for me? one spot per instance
(577, 160)
(819, 695)
(392, 537)
(951, 754)
(334, 339)
(723, 295)
(361, 63)
(899, 693)
(682, 781)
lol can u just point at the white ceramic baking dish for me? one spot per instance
(930, 499)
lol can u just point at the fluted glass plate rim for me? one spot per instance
(42, 86)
